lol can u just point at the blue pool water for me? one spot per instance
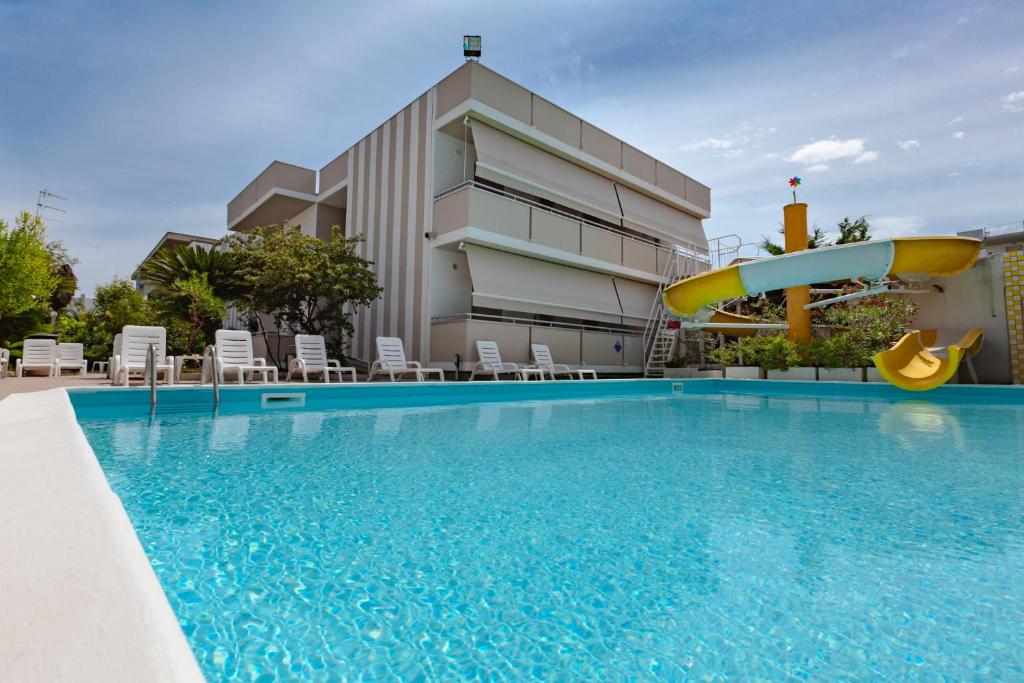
(672, 535)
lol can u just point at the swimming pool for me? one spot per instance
(739, 529)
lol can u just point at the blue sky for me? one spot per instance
(151, 117)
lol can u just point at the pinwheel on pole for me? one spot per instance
(794, 182)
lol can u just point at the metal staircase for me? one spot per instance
(660, 340)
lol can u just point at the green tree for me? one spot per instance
(204, 309)
(855, 231)
(27, 277)
(306, 285)
(816, 239)
(118, 304)
(169, 266)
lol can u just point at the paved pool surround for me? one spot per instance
(78, 596)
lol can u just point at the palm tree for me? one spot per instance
(181, 263)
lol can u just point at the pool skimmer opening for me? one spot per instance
(283, 400)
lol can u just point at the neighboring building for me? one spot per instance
(169, 241)
(491, 213)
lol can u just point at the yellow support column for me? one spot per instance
(799, 318)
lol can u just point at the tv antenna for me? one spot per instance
(43, 204)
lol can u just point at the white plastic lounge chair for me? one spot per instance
(38, 354)
(311, 357)
(5, 359)
(543, 360)
(71, 356)
(490, 364)
(135, 341)
(115, 355)
(234, 352)
(392, 362)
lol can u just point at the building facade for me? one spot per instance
(491, 213)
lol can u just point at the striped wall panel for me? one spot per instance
(389, 195)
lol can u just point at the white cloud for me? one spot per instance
(956, 119)
(817, 168)
(1013, 68)
(866, 158)
(962, 20)
(909, 145)
(708, 143)
(828, 150)
(1014, 101)
(959, 135)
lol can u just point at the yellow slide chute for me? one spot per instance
(912, 365)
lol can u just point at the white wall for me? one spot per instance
(306, 220)
(973, 299)
(448, 161)
(451, 290)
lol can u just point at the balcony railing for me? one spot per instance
(478, 205)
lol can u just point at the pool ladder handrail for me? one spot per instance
(210, 352)
(151, 375)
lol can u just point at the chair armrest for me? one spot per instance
(561, 367)
(297, 362)
(333, 363)
(413, 364)
(514, 367)
(259, 361)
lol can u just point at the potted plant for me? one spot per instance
(780, 359)
(844, 359)
(735, 363)
(676, 367)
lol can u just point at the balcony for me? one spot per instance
(510, 223)
(276, 195)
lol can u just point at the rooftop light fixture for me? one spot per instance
(471, 47)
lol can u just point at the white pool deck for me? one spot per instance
(79, 600)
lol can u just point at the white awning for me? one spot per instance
(646, 214)
(517, 283)
(636, 298)
(506, 160)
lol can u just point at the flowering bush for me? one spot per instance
(863, 327)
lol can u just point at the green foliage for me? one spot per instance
(844, 351)
(27, 277)
(774, 352)
(169, 266)
(116, 305)
(203, 309)
(815, 240)
(305, 284)
(874, 323)
(856, 231)
(726, 355)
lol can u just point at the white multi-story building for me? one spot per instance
(491, 213)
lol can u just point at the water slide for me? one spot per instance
(912, 259)
(915, 364)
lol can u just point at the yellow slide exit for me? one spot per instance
(910, 365)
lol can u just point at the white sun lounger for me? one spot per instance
(38, 354)
(490, 364)
(311, 357)
(135, 341)
(71, 356)
(234, 352)
(543, 360)
(5, 359)
(392, 362)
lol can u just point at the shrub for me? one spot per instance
(725, 355)
(776, 353)
(845, 350)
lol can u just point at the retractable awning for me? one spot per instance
(517, 283)
(643, 213)
(511, 162)
(636, 299)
